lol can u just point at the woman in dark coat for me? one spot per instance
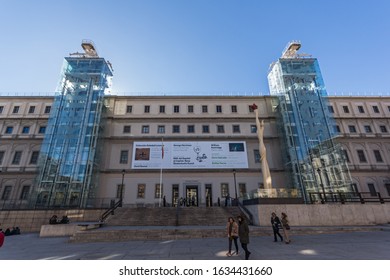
(275, 221)
(243, 233)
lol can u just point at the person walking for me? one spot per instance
(275, 221)
(1, 237)
(232, 231)
(286, 228)
(243, 233)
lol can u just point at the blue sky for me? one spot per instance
(208, 46)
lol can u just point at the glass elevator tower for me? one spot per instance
(68, 160)
(311, 153)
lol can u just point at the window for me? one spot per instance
(371, 189)
(176, 129)
(15, 110)
(124, 158)
(31, 110)
(352, 128)
(383, 128)
(34, 157)
(147, 109)
(236, 129)
(378, 156)
(224, 189)
(191, 128)
(220, 129)
(367, 129)
(361, 109)
(375, 109)
(387, 186)
(42, 129)
(24, 193)
(47, 109)
(253, 128)
(346, 109)
(158, 191)
(388, 108)
(126, 129)
(145, 129)
(337, 129)
(9, 129)
(2, 109)
(242, 189)
(250, 109)
(205, 129)
(162, 109)
(141, 191)
(6, 193)
(362, 157)
(345, 155)
(129, 109)
(176, 109)
(25, 129)
(205, 110)
(256, 154)
(330, 109)
(190, 108)
(234, 108)
(218, 109)
(1, 157)
(17, 157)
(161, 129)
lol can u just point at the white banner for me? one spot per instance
(179, 155)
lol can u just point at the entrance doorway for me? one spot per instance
(192, 196)
(175, 194)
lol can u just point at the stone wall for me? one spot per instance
(323, 214)
(32, 220)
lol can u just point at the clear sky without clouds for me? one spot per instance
(207, 46)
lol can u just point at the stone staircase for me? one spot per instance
(161, 224)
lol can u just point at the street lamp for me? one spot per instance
(235, 183)
(121, 191)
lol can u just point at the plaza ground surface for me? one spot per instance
(370, 245)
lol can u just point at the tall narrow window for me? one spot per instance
(362, 157)
(158, 191)
(387, 186)
(330, 109)
(378, 156)
(124, 158)
(42, 130)
(34, 157)
(6, 193)
(47, 109)
(367, 129)
(219, 109)
(256, 154)
(15, 110)
(24, 193)
(220, 129)
(352, 128)
(17, 157)
(191, 128)
(253, 128)
(345, 155)
(190, 108)
(383, 128)
(147, 109)
(162, 109)
(145, 129)
(1, 109)
(1, 157)
(161, 129)
(126, 129)
(224, 190)
(205, 129)
(236, 128)
(361, 109)
(375, 109)
(234, 108)
(176, 129)
(129, 109)
(119, 191)
(371, 189)
(205, 109)
(176, 109)
(242, 189)
(141, 191)
(25, 129)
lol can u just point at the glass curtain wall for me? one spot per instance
(312, 156)
(68, 159)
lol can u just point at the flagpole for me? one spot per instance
(161, 168)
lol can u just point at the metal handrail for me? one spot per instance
(110, 211)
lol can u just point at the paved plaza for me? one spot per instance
(370, 245)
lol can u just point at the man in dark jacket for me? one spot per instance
(243, 233)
